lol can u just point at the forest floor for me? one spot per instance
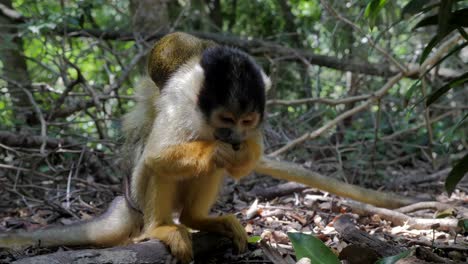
(268, 209)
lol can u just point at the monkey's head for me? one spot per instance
(208, 91)
(232, 95)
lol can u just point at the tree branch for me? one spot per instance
(153, 251)
(32, 141)
(359, 30)
(327, 126)
(398, 218)
(326, 101)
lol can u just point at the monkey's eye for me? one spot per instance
(226, 119)
(247, 122)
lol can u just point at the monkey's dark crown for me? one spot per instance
(231, 76)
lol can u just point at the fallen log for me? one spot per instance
(205, 246)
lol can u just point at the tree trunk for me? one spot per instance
(14, 70)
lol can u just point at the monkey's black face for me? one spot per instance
(232, 97)
(232, 128)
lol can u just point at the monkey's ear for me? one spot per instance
(266, 81)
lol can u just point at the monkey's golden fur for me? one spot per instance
(181, 177)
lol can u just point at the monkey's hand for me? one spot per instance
(238, 163)
(225, 156)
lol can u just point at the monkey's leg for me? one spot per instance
(198, 201)
(157, 210)
(173, 164)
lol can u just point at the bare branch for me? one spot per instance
(38, 111)
(327, 126)
(398, 218)
(326, 101)
(11, 13)
(153, 251)
(333, 12)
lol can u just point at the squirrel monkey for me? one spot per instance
(198, 118)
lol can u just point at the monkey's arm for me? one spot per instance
(183, 160)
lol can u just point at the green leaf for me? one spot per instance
(413, 7)
(445, 213)
(372, 10)
(394, 259)
(44, 168)
(450, 53)
(463, 224)
(427, 50)
(463, 32)
(254, 239)
(459, 123)
(453, 83)
(313, 248)
(458, 19)
(411, 90)
(457, 173)
(448, 136)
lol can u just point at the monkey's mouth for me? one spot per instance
(234, 142)
(235, 146)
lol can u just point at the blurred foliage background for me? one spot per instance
(68, 71)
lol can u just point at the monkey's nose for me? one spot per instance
(223, 133)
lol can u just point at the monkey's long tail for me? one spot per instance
(116, 226)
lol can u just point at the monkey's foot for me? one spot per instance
(226, 225)
(233, 229)
(176, 237)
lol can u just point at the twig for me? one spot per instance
(418, 179)
(327, 126)
(11, 13)
(440, 52)
(277, 190)
(326, 101)
(427, 120)
(416, 127)
(41, 119)
(424, 205)
(352, 234)
(333, 12)
(10, 167)
(67, 197)
(68, 87)
(273, 254)
(376, 134)
(398, 218)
